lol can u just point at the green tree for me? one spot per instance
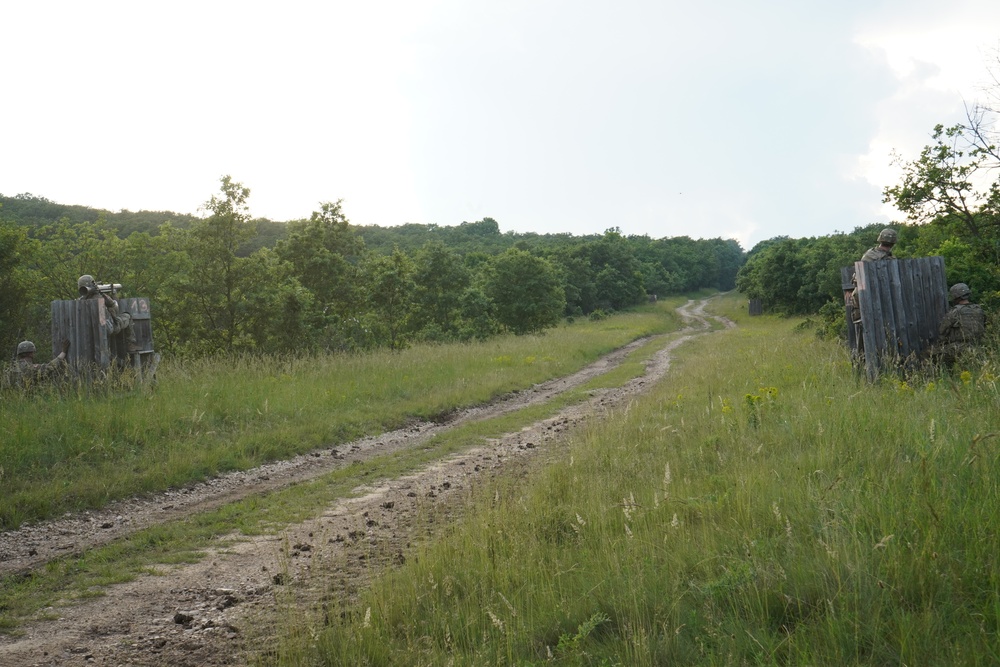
(774, 275)
(477, 315)
(952, 178)
(440, 279)
(226, 302)
(390, 289)
(953, 184)
(324, 253)
(730, 257)
(526, 291)
(15, 286)
(220, 279)
(618, 274)
(577, 276)
(68, 250)
(688, 263)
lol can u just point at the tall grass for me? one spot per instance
(61, 452)
(761, 506)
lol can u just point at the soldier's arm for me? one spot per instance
(947, 322)
(111, 304)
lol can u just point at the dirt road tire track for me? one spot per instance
(219, 610)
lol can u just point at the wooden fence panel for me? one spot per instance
(901, 302)
(92, 349)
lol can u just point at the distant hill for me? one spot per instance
(482, 236)
(31, 211)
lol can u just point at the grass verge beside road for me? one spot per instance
(66, 580)
(65, 453)
(761, 505)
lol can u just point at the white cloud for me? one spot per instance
(773, 118)
(940, 62)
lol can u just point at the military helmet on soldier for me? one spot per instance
(86, 285)
(959, 291)
(887, 236)
(25, 347)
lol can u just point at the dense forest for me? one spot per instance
(228, 282)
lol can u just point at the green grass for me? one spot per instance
(759, 506)
(66, 581)
(74, 451)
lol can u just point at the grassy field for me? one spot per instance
(70, 579)
(760, 506)
(65, 452)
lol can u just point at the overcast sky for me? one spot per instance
(743, 119)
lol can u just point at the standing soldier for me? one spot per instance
(886, 240)
(117, 321)
(25, 374)
(961, 328)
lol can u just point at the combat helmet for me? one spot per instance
(25, 347)
(887, 235)
(86, 285)
(959, 291)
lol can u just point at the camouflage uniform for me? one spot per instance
(877, 253)
(25, 374)
(960, 330)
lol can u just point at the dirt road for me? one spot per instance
(222, 609)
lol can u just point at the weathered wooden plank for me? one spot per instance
(901, 303)
(867, 306)
(919, 305)
(896, 335)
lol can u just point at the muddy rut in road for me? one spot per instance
(222, 609)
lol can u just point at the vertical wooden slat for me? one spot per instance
(867, 306)
(900, 339)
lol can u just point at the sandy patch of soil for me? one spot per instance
(221, 610)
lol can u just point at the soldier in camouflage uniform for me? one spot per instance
(117, 321)
(25, 374)
(961, 328)
(886, 239)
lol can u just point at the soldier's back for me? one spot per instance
(971, 321)
(876, 254)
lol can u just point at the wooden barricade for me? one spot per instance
(92, 349)
(755, 307)
(901, 302)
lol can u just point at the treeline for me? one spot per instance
(951, 195)
(802, 276)
(230, 282)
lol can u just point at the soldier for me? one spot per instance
(24, 373)
(117, 321)
(886, 239)
(961, 328)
